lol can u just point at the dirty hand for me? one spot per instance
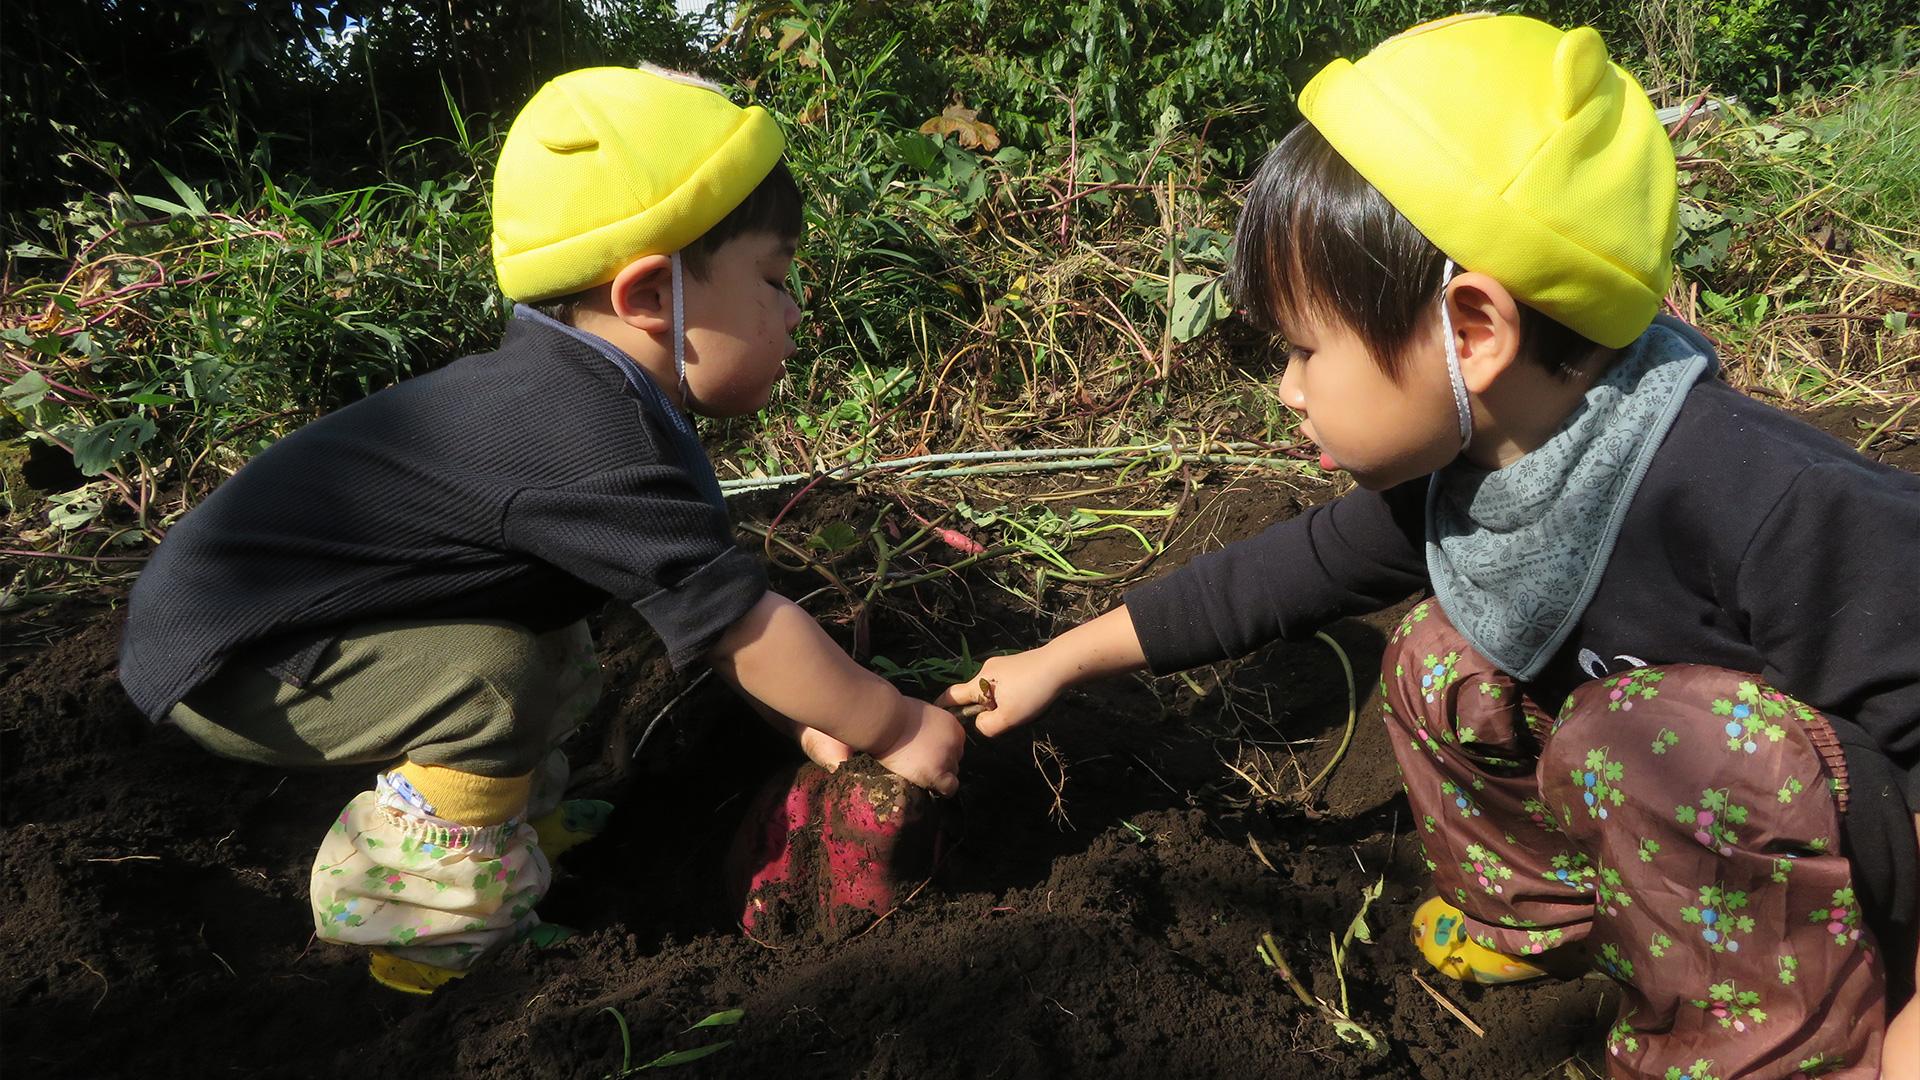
(1009, 692)
(925, 746)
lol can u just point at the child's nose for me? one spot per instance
(792, 316)
(1293, 392)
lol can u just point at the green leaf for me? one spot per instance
(26, 391)
(1198, 303)
(1358, 927)
(1706, 252)
(719, 1019)
(1696, 218)
(684, 1057)
(151, 398)
(71, 510)
(193, 204)
(838, 536)
(1354, 1034)
(162, 205)
(95, 449)
(50, 345)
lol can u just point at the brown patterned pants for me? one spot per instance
(1681, 824)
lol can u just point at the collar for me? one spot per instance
(637, 377)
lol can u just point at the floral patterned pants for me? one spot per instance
(1679, 823)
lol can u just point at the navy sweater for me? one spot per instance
(528, 485)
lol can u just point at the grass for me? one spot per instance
(1060, 296)
(723, 1018)
(179, 335)
(1801, 245)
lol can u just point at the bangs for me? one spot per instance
(1316, 242)
(774, 206)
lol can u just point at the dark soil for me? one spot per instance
(153, 918)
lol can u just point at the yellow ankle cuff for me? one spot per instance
(467, 799)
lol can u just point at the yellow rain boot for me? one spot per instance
(572, 823)
(408, 976)
(415, 977)
(1439, 931)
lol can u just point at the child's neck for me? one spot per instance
(1522, 409)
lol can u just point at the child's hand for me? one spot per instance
(1010, 691)
(823, 749)
(926, 746)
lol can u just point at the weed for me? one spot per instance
(934, 671)
(1338, 1017)
(724, 1018)
(1800, 242)
(1059, 289)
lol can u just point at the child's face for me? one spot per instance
(739, 324)
(1382, 431)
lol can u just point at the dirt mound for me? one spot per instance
(1095, 909)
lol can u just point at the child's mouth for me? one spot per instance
(1327, 464)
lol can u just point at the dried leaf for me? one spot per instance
(964, 125)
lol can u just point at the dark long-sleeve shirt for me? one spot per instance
(528, 485)
(1754, 543)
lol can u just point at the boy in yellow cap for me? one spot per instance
(1661, 714)
(401, 583)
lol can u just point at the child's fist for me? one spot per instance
(823, 749)
(1009, 692)
(925, 747)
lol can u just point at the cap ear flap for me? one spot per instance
(563, 130)
(1579, 64)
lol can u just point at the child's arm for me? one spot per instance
(780, 658)
(1026, 683)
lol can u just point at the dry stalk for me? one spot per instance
(1053, 772)
(1450, 1006)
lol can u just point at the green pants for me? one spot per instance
(488, 698)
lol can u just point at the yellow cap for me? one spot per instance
(1522, 153)
(605, 165)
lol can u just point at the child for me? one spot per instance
(1633, 567)
(401, 584)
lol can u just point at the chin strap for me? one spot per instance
(1460, 402)
(680, 338)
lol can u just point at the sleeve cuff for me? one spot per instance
(1172, 633)
(691, 615)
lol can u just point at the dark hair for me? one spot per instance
(773, 206)
(1315, 238)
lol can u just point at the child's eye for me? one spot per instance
(1298, 353)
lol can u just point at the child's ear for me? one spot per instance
(1486, 328)
(642, 294)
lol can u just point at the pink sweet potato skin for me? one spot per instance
(829, 853)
